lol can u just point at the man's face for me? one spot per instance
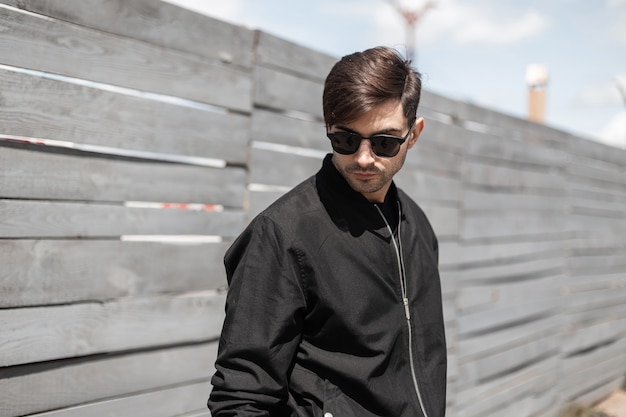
(367, 173)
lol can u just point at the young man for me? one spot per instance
(334, 306)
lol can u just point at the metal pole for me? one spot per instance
(622, 91)
(411, 18)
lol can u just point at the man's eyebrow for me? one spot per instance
(380, 132)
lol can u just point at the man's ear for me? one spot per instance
(417, 131)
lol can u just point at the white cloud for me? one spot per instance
(467, 24)
(493, 30)
(618, 31)
(614, 133)
(605, 94)
(616, 3)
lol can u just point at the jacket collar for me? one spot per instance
(349, 209)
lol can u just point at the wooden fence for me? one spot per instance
(138, 138)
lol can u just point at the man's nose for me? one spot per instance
(365, 154)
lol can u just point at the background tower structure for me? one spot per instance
(411, 18)
(537, 81)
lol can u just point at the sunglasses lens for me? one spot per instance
(345, 143)
(385, 145)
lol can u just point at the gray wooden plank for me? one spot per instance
(584, 373)
(281, 168)
(441, 161)
(604, 173)
(511, 127)
(188, 399)
(156, 22)
(48, 386)
(596, 150)
(450, 255)
(444, 220)
(487, 224)
(41, 175)
(480, 146)
(541, 133)
(512, 177)
(50, 109)
(499, 340)
(442, 136)
(34, 219)
(496, 295)
(505, 200)
(601, 299)
(424, 185)
(282, 91)
(613, 213)
(513, 270)
(598, 393)
(484, 321)
(40, 272)
(596, 223)
(483, 254)
(581, 337)
(260, 200)
(532, 404)
(604, 210)
(38, 334)
(482, 369)
(612, 260)
(592, 194)
(436, 102)
(72, 50)
(267, 126)
(612, 314)
(593, 281)
(587, 246)
(475, 400)
(613, 209)
(205, 413)
(290, 57)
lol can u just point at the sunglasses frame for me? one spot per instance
(359, 138)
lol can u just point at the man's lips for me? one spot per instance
(363, 176)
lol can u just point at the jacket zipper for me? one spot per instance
(405, 300)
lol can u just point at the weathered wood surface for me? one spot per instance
(51, 109)
(30, 219)
(281, 168)
(514, 223)
(272, 127)
(491, 397)
(180, 401)
(38, 334)
(260, 200)
(530, 220)
(48, 272)
(425, 186)
(76, 51)
(53, 385)
(44, 175)
(158, 23)
(583, 373)
(286, 92)
(293, 58)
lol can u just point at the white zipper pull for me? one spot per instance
(406, 308)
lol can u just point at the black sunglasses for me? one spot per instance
(386, 146)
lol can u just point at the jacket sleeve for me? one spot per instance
(262, 329)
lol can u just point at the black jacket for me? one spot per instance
(315, 319)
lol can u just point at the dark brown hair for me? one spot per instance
(363, 80)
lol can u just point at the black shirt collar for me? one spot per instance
(349, 209)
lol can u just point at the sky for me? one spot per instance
(476, 51)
